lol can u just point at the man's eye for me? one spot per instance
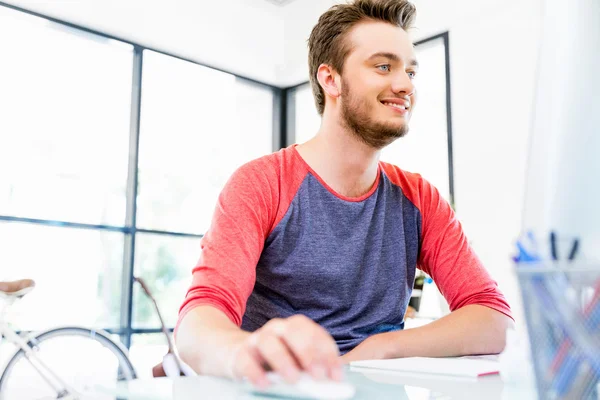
(384, 67)
(412, 74)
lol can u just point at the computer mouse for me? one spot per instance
(305, 388)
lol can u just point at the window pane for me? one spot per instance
(197, 126)
(64, 125)
(307, 118)
(147, 350)
(77, 274)
(425, 148)
(165, 263)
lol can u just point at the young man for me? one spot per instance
(312, 251)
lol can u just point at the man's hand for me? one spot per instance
(287, 346)
(470, 330)
(372, 348)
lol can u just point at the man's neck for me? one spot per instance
(346, 164)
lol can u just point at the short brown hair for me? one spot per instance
(326, 44)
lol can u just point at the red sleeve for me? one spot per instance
(256, 196)
(445, 252)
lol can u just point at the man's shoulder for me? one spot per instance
(418, 190)
(266, 163)
(414, 187)
(271, 169)
(406, 180)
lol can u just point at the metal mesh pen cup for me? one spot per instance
(562, 309)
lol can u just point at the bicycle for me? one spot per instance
(42, 364)
(171, 365)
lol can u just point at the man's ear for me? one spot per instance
(329, 80)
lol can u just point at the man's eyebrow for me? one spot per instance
(393, 57)
(383, 54)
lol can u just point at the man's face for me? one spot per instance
(378, 93)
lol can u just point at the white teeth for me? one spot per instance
(400, 106)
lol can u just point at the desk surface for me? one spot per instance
(370, 384)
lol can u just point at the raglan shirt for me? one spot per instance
(282, 242)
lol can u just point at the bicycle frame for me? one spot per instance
(171, 365)
(62, 389)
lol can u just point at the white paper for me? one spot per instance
(462, 366)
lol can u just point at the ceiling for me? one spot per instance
(280, 2)
(264, 40)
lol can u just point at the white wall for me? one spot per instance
(433, 17)
(300, 16)
(493, 60)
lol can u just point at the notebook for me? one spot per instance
(472, 367)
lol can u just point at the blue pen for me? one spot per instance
(574, 249)
(553, 246)
(528, 249)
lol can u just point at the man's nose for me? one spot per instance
(403, 84)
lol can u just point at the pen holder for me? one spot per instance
(562, 309)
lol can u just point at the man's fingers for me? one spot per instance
(287, 347)
(277, 356)
(249, 366)
(330, 356)
(336, 369)
(314, 348)
(300, 339)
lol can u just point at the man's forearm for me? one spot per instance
(473, 329)
(206, 341)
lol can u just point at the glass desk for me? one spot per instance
(370, 384)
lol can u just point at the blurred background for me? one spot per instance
(120, 122)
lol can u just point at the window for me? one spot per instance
(165, 263)
(68, 112)
(197, 126)
(146, 351)
(64, 125)
(78, 274)
(425, 148)
(307, 119)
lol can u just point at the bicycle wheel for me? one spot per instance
(82, 358)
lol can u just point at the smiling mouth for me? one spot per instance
(397, 106)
